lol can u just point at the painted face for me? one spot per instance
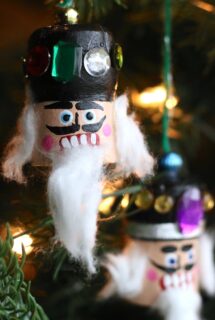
(171, 264)
(67, 125)
(175, 262)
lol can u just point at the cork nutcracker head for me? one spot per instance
(168, 232)
(71, 71)
(161, 265)
(72, 118)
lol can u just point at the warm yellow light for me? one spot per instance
(204, 6)
(125, 201)
(171, 102)
(26, 240)
(106, 203)
(72, 16)
(154, 97)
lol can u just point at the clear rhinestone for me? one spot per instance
(97, 62)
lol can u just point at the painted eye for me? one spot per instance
(171, 260)
(190, 256)
(89, 117)
(66, 117)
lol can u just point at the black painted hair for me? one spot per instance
(46, 88)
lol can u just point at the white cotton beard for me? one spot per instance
(207, 268)
(126, 272)
(19, 149)
(133, 154)
(179, 304)
(74, 191)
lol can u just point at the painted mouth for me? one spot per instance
(177, 280)
(74, 141)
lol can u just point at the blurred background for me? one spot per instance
(138, 27)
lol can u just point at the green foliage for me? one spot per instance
(16, 301)
(89, 9)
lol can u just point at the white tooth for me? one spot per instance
(189, 277)
(175, 280)
(65, 143)
(83, 139)
(184, 286)
(74, 141)
(190, 286)
(182, 278)
(93, 138)
(167, 281)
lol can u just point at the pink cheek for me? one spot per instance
(47, 143)
(152, 275)
(107, 130)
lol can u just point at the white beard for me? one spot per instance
(19, 150)
(132, 150)
(179, 304)
(74, 191)
(126, 272)
(74, 188)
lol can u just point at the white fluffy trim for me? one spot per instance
(133, 154)
(207, 268)
(19, 149)
(126, 272)
(179, 304)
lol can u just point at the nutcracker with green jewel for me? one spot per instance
(74, 122)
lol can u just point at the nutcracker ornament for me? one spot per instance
(74, 123)
(169, 255)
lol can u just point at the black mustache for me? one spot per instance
(94, 127)
(189, 266)
(65, 130)
(165, 269)
(172, 270)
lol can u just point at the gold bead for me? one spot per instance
(164, 204)
(208, 201)
(125, 201)
(144, 199)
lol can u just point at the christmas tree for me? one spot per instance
(173, 106)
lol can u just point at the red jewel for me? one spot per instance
(38, 61)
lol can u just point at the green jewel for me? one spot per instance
(118, 56)
(65, 4)
(67, 61)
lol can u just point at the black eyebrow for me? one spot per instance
(85, 105)
(168, 249)
(186, 247)
(59, 105)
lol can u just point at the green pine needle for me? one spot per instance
(16, 301)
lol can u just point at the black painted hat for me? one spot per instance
(169, 207)
(72, 62)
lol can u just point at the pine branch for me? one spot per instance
(88, 9)
(16, 301)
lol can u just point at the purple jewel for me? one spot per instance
(190, 210)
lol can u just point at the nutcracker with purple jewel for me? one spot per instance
(169, 254)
